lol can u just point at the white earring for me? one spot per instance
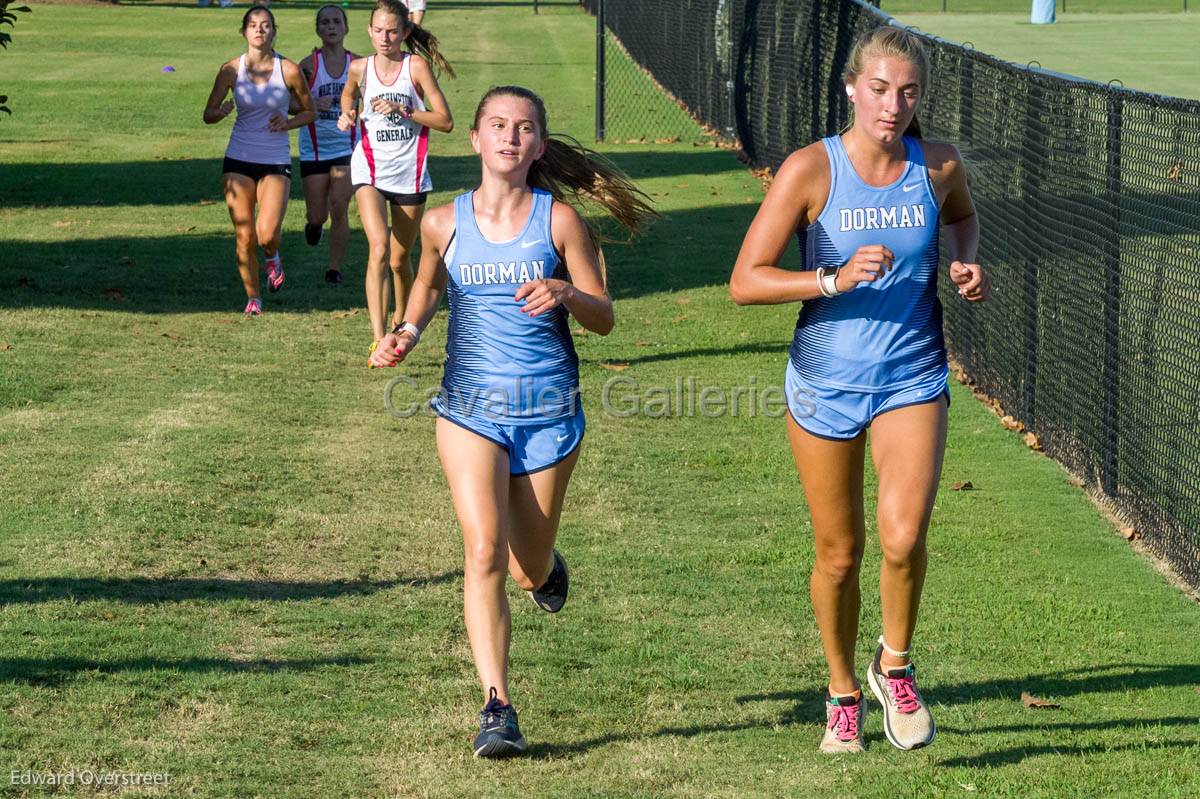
(849, 91)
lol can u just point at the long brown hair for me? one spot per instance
(574, 174)
(890, 42)
(419, 41)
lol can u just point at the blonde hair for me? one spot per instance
(890, 42)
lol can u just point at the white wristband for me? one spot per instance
(829, 283)
(410, 328)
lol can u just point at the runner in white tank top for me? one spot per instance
(253, 138)
(258, 162)
(416, 10)
(393, 150)
(324, 149)
(401, 103)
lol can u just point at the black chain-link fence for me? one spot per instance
(1089, 203)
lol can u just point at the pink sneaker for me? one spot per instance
(907, 721)
(274, 268)
(253, 307)
(844, 733)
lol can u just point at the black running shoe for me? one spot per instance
(312, 234)
(333, 277)
(499, 735)
(553, 593)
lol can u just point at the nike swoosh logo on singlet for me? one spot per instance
(910, 186)
(527, 244)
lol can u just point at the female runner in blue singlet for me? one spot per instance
(516, 260)
(868, 352)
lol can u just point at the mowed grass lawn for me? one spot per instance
(222, 559)
(1144, 51)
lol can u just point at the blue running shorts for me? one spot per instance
(841, 415)
(531, 447)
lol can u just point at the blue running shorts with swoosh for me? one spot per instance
(531, 447)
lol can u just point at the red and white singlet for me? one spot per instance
(321, 140)
(392, 152)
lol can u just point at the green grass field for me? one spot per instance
(1149, 52)
(1062, 7)
(222, 559)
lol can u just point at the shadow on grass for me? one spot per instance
(805, 712)
(773, 348)
(1100, 679)
(194, 273)
(1017, 754)
(194, 180)
(809, 709)
(55, 671)
(136, 590)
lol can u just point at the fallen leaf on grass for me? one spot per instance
(172, 336)
(206, 202)
(673, 140)
(63, 223)
(681, 185)
(4, 345)
(680, 318)
(683, 300)
(346, 314)
(1012, 424)
(1031, 441)
(113, 294)
(962, 485)
(641, 343)
(1075, 481)
(1029, 700)
(1130, 533)
(1176, 171)
(616, 367)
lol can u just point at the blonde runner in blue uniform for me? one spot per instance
(258, 163)
(517, 261)
(401, 103)
(325, 150)
(867, 352)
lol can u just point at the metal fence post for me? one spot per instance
(1030, 192)
(600, 70)
(1110, 417)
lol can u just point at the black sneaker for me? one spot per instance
(553, 593)
(333, 277)
(312, 234)
(499, 735)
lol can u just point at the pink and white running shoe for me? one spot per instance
(844, 730)
(907, 721)
(274, 269)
